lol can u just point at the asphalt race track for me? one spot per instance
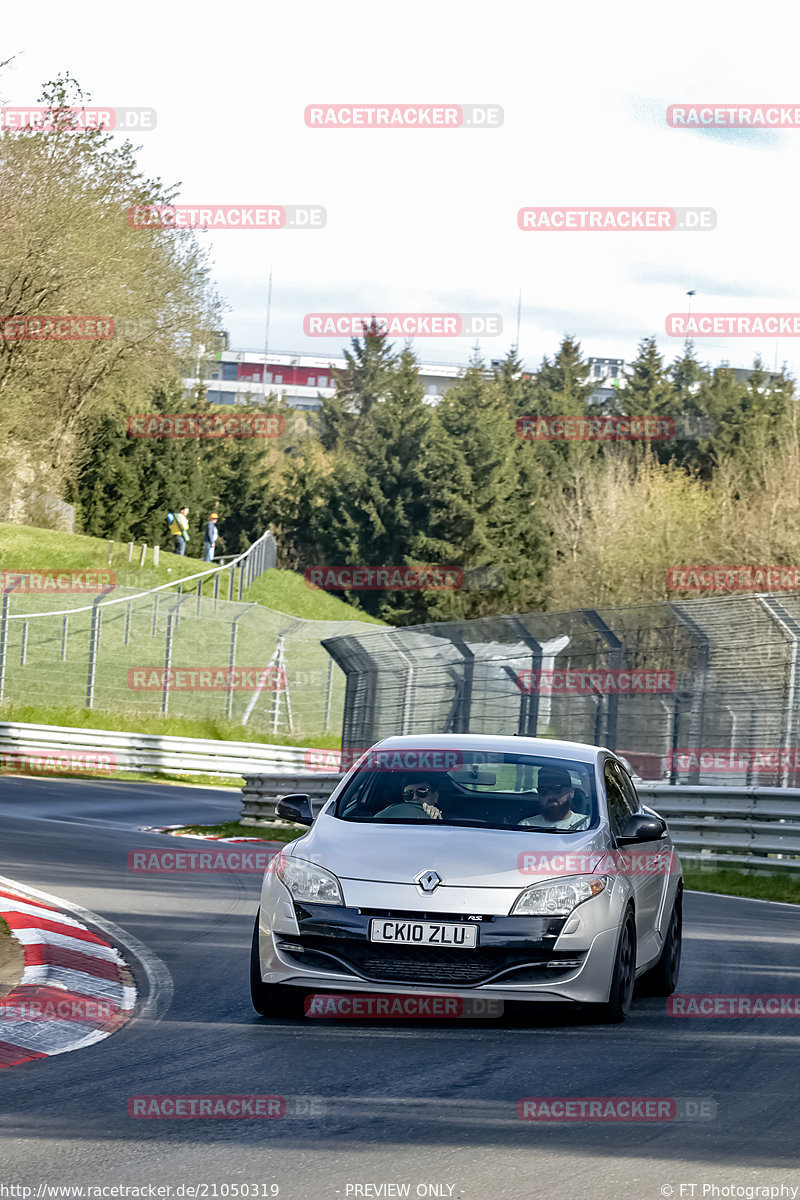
(421, 1104)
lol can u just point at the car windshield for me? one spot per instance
(472, 788)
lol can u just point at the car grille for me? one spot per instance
(428, 964)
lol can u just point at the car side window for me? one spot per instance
(628, 788)
(619, 808)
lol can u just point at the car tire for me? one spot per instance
(662, 979)
(617, 1007)
(271, 999)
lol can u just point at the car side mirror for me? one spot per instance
(296, 807)
(641, 827)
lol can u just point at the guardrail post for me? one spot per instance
(143, 555)
(23, 651)
(64, 636)
(130, 551)
(155, 556)
(94, 646)
(167, 665)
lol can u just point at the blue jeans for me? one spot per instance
(208, 552)
(180, 543)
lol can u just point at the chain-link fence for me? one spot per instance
(700, 691)
(182, 651)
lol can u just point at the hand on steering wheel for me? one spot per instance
(433, 812)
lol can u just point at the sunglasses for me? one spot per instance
(424, 790)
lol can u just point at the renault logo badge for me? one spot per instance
(428, 881)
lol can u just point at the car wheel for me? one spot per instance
(618, 1004)
(271, 999)
(662, 979)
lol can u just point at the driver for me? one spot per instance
(418, 794)
(556, 793)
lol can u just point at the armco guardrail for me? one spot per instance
(261, 793)
(754, 828)
(748, 827)
(144, 752)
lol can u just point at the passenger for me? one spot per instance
(556, 794)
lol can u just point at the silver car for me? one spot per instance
(508, 868)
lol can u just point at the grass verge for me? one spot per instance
(12, 959)
(783, 888)
(209, 728)
(26, 548)
(234, 829)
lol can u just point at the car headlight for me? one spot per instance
(308, 882)
(557, 898)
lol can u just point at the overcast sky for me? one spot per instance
(426, 220)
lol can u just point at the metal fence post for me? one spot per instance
(231, 665)
(241, 581)
(329, 697)
(64, 636)
(23, 650)
(155, 614)
(216, 590)
(3, 643)
(128, 621)
(94, 646)
(232, 571)
(167, 665)
(199, 595)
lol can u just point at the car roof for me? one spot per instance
(502, 743)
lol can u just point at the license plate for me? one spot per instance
(423, 933)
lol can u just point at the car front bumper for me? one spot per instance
(327, 948)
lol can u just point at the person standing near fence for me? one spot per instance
(210, 538)
(179, 528)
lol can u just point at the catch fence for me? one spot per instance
(698, 691)
(189, 649)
